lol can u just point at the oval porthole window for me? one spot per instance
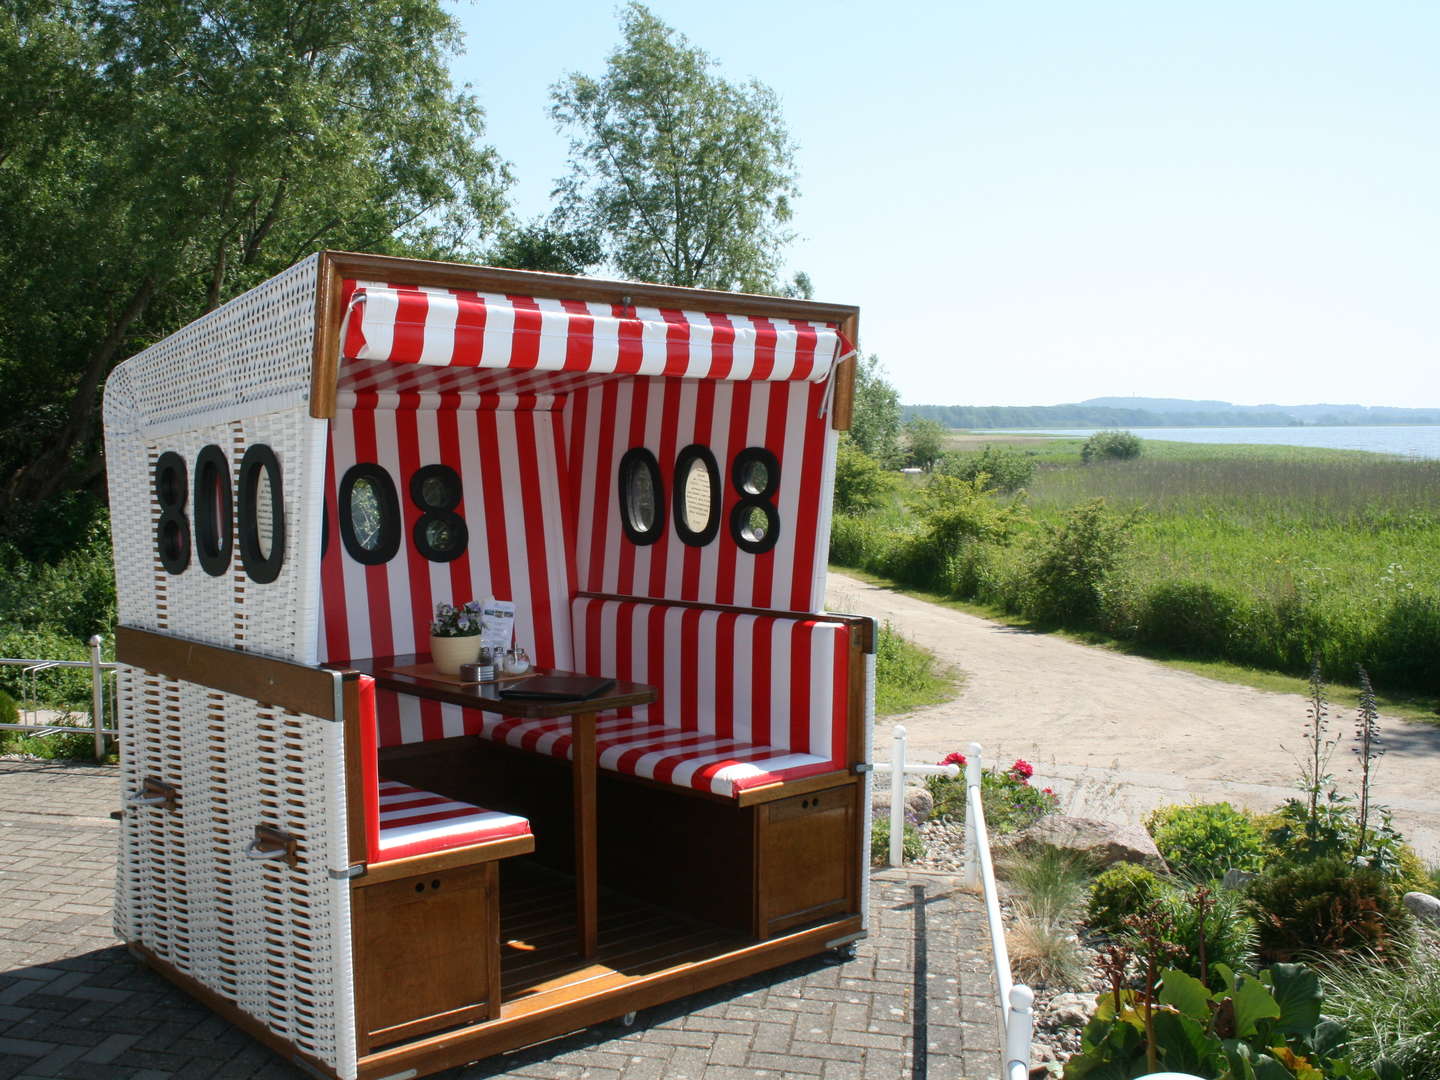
(756, 473)
(697, 495)
(439, 534)
(214, 511)
(755, 526)
(642, 510)
(369, 514)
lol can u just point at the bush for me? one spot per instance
(1005, 468)
(860, 482)
(912, 845)
(1216, 919)
(1292, 838)
(1391, 1012)
(1074, 561)
(1123, 890)
(1110, 445)
(9, 710)
(1011, 803)
(1329, 908)
(1190, 617)
(1203, 840)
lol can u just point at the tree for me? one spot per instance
(875, 426)
(157, 158)
(926, 441)
(687, 177)
(860, 483)
(546, 245)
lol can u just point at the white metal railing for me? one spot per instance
(30, 706)
(899, 768)
(1016, 1000)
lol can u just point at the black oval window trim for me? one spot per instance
(738, 519)
(261, 568)
(387, 503)
(172, 492)
(631, 464)
(438, 513)
(214, 511)
(740, 469)
(683, 526)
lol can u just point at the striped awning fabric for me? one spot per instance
(455, 328)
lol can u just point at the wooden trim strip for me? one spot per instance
(378, 873)
(280, 683)
(325, 365)
(699, 605)
(842, 404)
(566, 287)
(232, 1012)
(355, 845)
(604, 1001)
(786, 788)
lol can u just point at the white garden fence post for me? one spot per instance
(897, 797)
(1019, 1029)
(97, 697)
(972, 789)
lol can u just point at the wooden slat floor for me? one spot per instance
(539, 963)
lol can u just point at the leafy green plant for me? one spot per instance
(9, 710)
(1209, 928)
(1005, 468)
(1327, 907)
(1123, 890)
(1011, 802)
(1254, 1028)
(1201, 841)
(861, 484)
(1110, 446)
(1393, 1012)
(1074, 560)
(912, 845)
(1294, 838)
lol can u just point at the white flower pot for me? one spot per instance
(448, 653)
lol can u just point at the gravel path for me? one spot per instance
(1117, 735)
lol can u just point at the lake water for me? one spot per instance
(1410, 441)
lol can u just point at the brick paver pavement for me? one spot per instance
(916, 1001)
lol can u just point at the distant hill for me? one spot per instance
(1101, 412)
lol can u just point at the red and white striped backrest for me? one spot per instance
(511, 465)
(665, 415)
(773, 680)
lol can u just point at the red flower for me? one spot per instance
(953, 758)
(1022, 770)
(1048, 791)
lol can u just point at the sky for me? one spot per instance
(1035, 203)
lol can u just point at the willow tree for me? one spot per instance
(685, 177)
(157, 158)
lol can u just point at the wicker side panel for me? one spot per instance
(272, 938)
(256, 348)
(279, 618)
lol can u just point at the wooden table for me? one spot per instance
(582, 765)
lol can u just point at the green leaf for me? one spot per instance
(1253, 1003)
(1267, 1068)
(1329, 1039)
(1186, 993)
(1297, 991)
(1385, 1069)
(1183, 1043)
(1239, 1058)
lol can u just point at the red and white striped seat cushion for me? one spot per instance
(415, 822)
(637, 747)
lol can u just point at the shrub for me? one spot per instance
(1123, 890)
(1005, 468)
(1190, 617)
(860, 482)
(1209, 926)
(1074, 560)
(1110, 445)
(1391, 1012)
(1203, 840)
(1327, 907)
(912, 845)
(1294, 838)
(1011, 803)
(9, 710)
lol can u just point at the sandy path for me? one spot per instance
(1118, 734)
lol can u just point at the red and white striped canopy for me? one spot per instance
(406, 324)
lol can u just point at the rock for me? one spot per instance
(1104, 841)
(1423, 906)
(918, 803)
(1236, 880)
(1071, 1010)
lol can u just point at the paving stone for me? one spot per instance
(74, 1004)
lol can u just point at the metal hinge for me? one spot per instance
(358, 870)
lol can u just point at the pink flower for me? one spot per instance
(1048, 791)
(953, 758)
(1022, 770)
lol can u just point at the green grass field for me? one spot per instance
(1256, 556)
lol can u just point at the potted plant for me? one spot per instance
(455, 636)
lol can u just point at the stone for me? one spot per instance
(1423, 906)
(1105, 842)
(1236, 880)
(918, 804)
(1071, 1010)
